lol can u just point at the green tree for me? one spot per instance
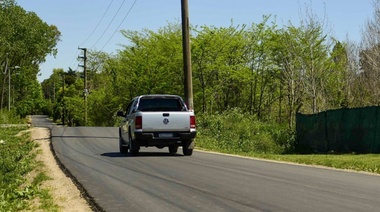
(370, 58)
(153, 61)
(263, 77)
(286, 55)
(303, 54)
(218, 67)
(339, 83)
(26, 40)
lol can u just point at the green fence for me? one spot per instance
(345, 130)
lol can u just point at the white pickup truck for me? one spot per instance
(157, 120)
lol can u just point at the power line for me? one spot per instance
(93, 31)
(109, 23)
(96, 27)
(117, 29)
(129, 11)
(75, 57)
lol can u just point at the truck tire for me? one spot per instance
(187, 147)
(133, 149)
(173, 149)
(122, 149)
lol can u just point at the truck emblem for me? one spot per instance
(166, 121)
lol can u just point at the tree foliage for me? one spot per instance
(25, 41)
(248, 80)
(370, 58)
(266, 72)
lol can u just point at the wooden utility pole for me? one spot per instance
(63, 99)
(85, 91)
(7, 69)
(188, 84)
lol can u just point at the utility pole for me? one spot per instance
(188, 84)
(8, 69)
(63, 99)
(85, 91)
(9, 82)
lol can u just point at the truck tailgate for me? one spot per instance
(165, 121)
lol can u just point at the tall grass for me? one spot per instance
(15, 162)
(236, 132)
(10, 117)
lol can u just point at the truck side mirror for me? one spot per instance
(120, 113)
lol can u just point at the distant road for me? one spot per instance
(158, 181)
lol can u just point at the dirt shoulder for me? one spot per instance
(65, 194)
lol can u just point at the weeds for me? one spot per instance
(236, 132)
(17, 159)
(15, 162)
(10, 117)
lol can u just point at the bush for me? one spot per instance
(10, 117)
(236, 132)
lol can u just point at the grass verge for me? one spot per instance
(21, 175)
(364, 162)
(234, 132)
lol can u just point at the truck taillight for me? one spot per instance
(192, 122)
(138, 122)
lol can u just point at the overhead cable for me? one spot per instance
(96, 27)
(109, 24)
(117, 29)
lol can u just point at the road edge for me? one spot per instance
(83, 192)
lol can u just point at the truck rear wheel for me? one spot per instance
(122, 149)
(173, 149)
(134, 152)
(133, 148)
(187, 147)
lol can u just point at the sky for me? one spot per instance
(95, 24)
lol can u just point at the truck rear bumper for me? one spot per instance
(163, 139)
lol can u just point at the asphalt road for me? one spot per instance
(158, 181)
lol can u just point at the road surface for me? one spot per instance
(158, 181)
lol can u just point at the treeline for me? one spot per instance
(268, 72)
(25, 41)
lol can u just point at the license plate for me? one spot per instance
(165, 135)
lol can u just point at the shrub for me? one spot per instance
(236, 132)
(10, 117)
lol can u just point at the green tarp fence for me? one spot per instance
(342, 131)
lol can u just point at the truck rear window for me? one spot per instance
(160, 104)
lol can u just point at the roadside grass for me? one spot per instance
(21, 176)
(234, 132)
(357, 162)
(10, 117)
(363, 162)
